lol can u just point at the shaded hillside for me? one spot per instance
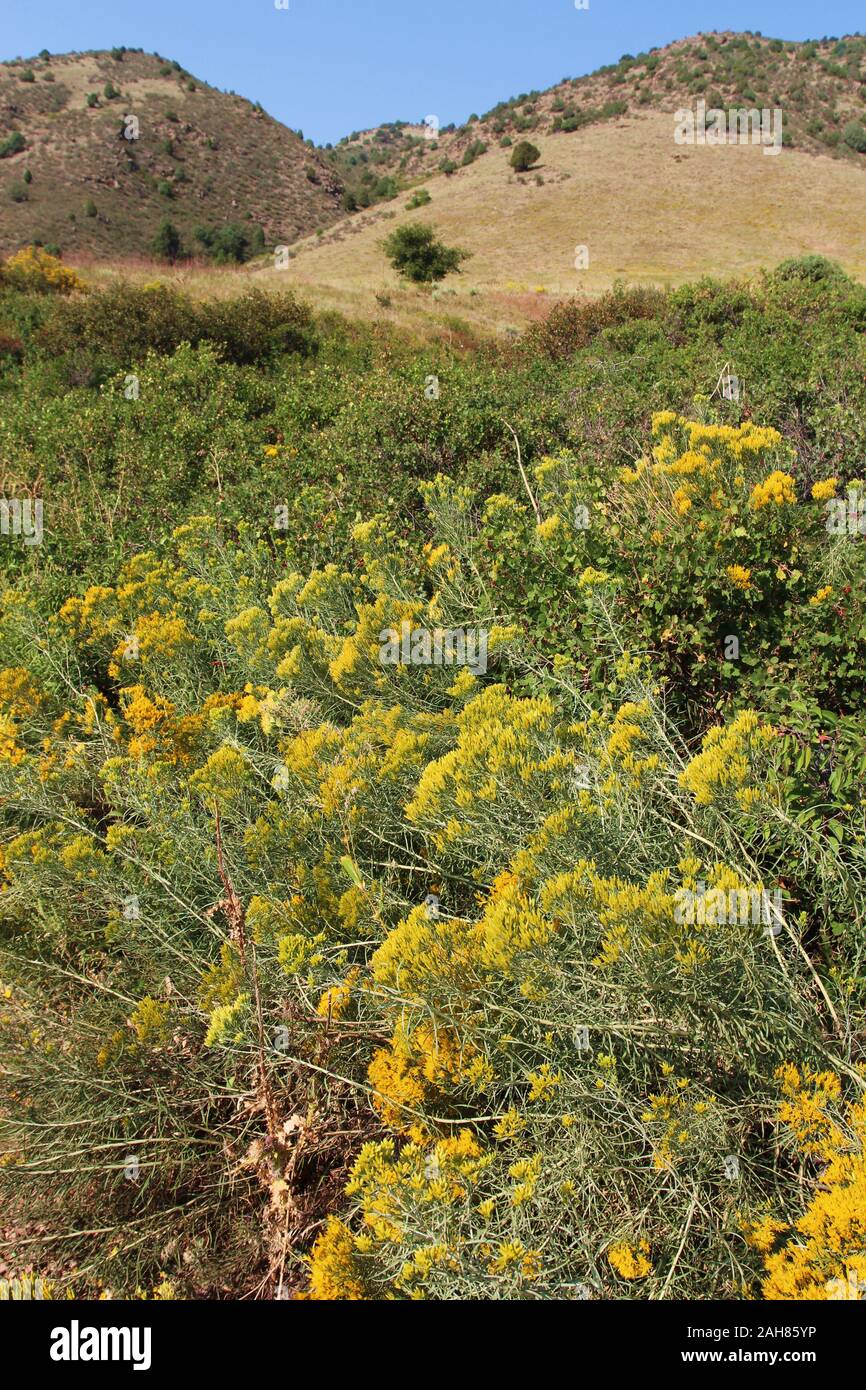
(204, 158)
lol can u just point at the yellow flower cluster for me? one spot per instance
(419, 1064)
(446, 1173)
(631, 1262)
(335, 1001)
(738, 440)
(725, 762)
(335, 1274)
(624, 908)
(223, 777)
(823, 1256)
(695, 467)
(825, 489)
(396, 1194)
(159, 636)
(35, 268)
(19, 698)
(225, 1020)
(807, 1109)
(779, 488)
(149, 1021)
(740, 577)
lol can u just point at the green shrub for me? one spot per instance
(167, 244)
(854, 135)
(256, 326)
(231, 243)
(417, 254)
(574, 324)
(471, 153)
(815, 269)
(13, 144)
(523, 156)
(120, 326)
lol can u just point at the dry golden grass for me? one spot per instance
(650, 212)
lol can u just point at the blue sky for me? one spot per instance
(332, 66)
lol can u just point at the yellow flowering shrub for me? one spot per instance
(34, 268)
(822, 1253)
(412, 935)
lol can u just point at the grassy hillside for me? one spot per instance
(819, 85)
(208, 157)
(647, 209)
(203, 158)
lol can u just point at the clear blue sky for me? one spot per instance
(332, 66)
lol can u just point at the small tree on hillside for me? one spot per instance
(167, 244)
(523, 156)
(13, 144)
(231, 243)
(417, 253)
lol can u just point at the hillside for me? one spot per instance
(648, 211)
(610, 176)
(820, 86)
(203, 158)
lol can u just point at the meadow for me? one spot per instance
(328, 977)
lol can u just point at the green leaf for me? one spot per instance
(351, 869)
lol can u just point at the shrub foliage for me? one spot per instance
(536, 978)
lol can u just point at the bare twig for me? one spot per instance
(535, 506)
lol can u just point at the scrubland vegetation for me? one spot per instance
(334, 979)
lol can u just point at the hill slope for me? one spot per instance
(646, 209)
(820, 86)
(611, 176)
(203, 158)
